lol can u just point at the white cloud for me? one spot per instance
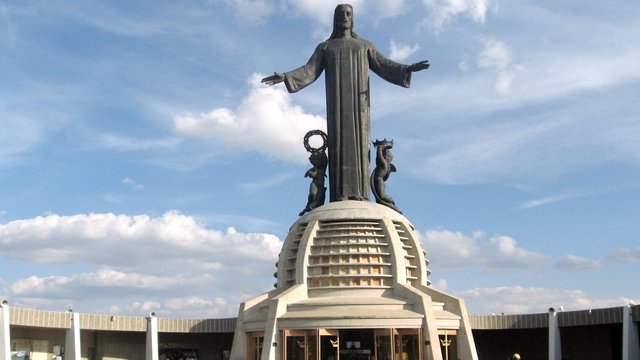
(253, 187)
(140, 260)
(444, 11)
(455, 249)
(518, 300)
(624, 255)
(251, 11)
(388, 8)
(102, 283)
(146, 306)
(113, 198)
(132, 183)
(463, 64)
(164, 18)
(18, 136)
(130, 241)
(123, 143)
(504, 152)
(504, 82)
(502, 251)
(194, 306)
(576, 263)
(401, 52)
(185, 307)
(321, 11)
(441, 285)
(266, 121)
(536, 147)
(447, 248)
(496, 56)
(545, 201)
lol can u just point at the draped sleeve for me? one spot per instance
(303, 76)
(388, 69)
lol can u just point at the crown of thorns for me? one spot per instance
(310, 148)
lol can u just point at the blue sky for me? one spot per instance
(144, 168)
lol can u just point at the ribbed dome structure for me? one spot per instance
(352, 244)
(351, 272)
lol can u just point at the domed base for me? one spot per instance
(352, 265)
(352, 244)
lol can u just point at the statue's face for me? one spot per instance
(343, 17)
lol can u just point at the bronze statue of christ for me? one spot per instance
(346, 59)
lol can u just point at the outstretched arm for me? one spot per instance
(273, 79)
(420, 65)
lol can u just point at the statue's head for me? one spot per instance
(318, 159)
(385, 144)
(343, 20)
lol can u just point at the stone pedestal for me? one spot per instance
(352, 276)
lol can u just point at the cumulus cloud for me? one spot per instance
(183, 306)
(401, 52)
(576, 263)
(517, 300)
(122, 239)
(444, 11)
(102, 283)
(266, 121)
(137, 258)
(455, 249)
(194, 306)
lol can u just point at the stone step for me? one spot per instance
(359, 304)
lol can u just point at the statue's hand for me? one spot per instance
(420, 65)
(273, 79)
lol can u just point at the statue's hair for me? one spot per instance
(335, 33)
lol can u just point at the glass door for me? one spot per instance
(255, 343)
(383, 344)
(407, 344)
(329, 344)
(312, 345)
(301, 345)
(295, 344)
(448, 344)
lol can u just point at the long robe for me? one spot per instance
(347, 62)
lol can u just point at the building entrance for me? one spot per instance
(352, 344)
